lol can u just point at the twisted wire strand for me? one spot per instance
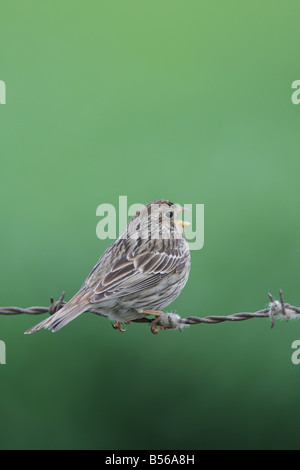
(221, 318)
(53, 308)
(172, 320)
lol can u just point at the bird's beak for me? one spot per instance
(182, 223)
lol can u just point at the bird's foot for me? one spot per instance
(118, 326)
(154, 328)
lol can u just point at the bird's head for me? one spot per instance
(159, 219)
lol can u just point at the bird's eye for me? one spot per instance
(169, 215)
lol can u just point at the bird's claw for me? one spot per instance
(118, 326)
(154, 328)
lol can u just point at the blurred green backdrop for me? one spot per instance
(189, 101)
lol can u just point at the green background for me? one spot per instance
(188, 101)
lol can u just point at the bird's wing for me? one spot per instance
(128, 268)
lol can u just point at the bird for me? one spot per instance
(139, 274)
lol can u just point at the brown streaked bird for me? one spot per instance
(139, 274)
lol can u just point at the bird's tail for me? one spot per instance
(75, 307)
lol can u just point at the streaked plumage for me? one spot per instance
(144, 269)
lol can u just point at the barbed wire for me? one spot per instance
(276, 308)
(53, 308)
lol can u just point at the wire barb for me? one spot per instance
(172, 320)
